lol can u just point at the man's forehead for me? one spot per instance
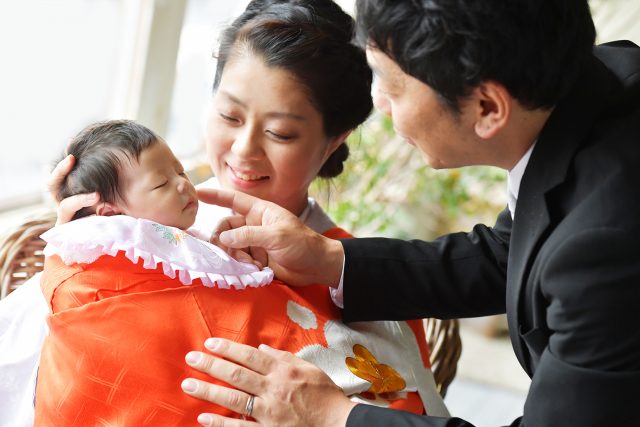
(384, 67)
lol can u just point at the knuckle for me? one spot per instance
(251, 356)
(235, 400)
(206, 392)
(236, 375)
(294, 373)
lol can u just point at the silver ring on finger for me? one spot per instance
(248, 409)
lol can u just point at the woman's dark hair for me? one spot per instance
(535, 48)
(312, 40)
(100, 150)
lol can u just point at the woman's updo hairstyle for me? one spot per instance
(311, 39)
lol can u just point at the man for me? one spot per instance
(515, 84)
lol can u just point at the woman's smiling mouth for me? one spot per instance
(246, 176)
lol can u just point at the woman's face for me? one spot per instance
(264, 137)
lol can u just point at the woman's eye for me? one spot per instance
(279, 136)
(228, 118)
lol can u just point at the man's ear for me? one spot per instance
(493, 108)
(107, 209)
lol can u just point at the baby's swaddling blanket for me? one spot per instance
(129, 298)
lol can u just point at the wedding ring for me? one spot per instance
(249, 408)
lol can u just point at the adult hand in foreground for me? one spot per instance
(274, 387)
(275, 237)
(68, 207)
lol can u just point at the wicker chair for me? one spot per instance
(21, 252)
(21, 257)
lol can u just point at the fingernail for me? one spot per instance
(212, 343)
(189, 385)
(205, 419)
(193, 357)
(226, 238)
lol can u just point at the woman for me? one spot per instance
(289, 89)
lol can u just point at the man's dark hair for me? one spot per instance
(535, 48)
(100, 150)
(312, 40)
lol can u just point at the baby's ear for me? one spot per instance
(107, 209)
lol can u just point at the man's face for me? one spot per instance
(445, 138)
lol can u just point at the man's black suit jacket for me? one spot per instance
(566, 270)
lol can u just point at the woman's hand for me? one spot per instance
(68, 207)
(277, 238)
(287, 391)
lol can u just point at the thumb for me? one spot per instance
(246, 236)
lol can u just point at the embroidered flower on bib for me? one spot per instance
(172, 235)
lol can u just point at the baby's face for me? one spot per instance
(157, 189)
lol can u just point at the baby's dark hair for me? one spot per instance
(100, 150)
(312, 40)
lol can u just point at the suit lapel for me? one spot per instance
(547, 169)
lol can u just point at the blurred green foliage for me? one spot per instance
(387, 190)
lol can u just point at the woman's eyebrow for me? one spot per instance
(282, 114)
(233, 99)
(273, 114)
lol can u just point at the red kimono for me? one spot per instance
(119, 334)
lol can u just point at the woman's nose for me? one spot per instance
(246, 143)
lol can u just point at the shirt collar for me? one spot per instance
(514, 179)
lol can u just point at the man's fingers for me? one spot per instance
(229, 398)
(281, 355)
(247, 236)
(58, 175)
(69, 206)
(224, 370)
(234, 200)
(228, 223)
(215, 420)
(260, 257)
(245, 355)
(242, 256)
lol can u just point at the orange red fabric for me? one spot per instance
(119, 334)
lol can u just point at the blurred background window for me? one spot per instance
(60, 63)
(67, 63)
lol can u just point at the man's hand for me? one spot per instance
(275, 237)
(286, 390)
(68, 207)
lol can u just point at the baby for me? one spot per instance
(134, 172)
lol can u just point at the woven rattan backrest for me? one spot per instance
(21, 257)
(21, 252)
(443, 338)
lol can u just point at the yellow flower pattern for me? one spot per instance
(383, 378)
